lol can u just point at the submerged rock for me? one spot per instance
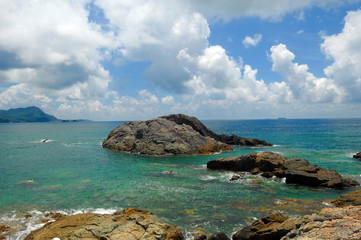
(28, 182)
(357, 155)
(329, 223)
(295, 170)
(348, 199)
(172, 135)
(130, 224)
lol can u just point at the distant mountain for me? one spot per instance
(29, 114)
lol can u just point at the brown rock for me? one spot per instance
(132, 224)
(4, 228)
(329, 223)
(296, 170)
(264, 228)
(348, 199)
(169, 135)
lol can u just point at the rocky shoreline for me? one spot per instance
(179, 134)
(175, 134)
(342, 220)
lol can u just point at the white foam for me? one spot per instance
(26, 224)
(207, 178)
(327, 204)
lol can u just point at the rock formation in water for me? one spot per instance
(295, 170)
(329, 223)
(357, 155)
(172, 135)
(130, 224)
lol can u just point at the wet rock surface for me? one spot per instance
(175, 134)
(131, 224)
(295, 170)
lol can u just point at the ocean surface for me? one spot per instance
(72, 173)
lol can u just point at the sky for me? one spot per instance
(109, 60)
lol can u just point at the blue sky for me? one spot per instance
(232, 59)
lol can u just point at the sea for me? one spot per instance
(62, 167)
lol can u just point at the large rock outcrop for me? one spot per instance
(329, 223)
(131, 224)
(172, 135)
(295, 170)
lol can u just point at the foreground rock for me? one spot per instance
(295, 170)
(264, 228)
(132, 224)
(348, 199)
(357, 155)
(329, 223)
(172, 135)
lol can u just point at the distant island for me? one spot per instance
(28, 114)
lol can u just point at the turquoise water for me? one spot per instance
(72, 172)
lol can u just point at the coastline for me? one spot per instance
(92, 176)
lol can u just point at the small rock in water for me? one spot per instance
(28, 182)
(357, 155)
(235, 177)
(200, 234)
(190, 211)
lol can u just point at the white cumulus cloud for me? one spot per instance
(252, 41)
(303, 84)
(345, 49)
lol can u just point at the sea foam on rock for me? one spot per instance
(295, 170)
(175, 134)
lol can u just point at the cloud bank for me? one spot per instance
(54, 56)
